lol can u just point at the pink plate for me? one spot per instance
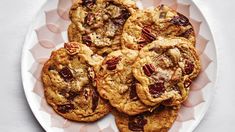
(48, 32)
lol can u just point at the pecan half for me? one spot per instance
(137, 123)
(146, 33)
(72, 48)
(149, 69)
(87, 40)
(66, 74)
(187, 33)
(89, 19)
(111, 64)
(65, 108)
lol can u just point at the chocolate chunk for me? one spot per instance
(121, 19)
(72, 95)
(157, 88)
(149, 69)
(66, 74)
(65, 108)
(136, 123)
(87, 40)
(88, 3)
(146, 33)
(180, 20)
(89, 19)
(111, 64)
(52, 67)
(187, 83)
(133, 94)
(95, 100)
(189, 67)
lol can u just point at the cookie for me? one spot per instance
(116, 83)
(160, 120)
(145, 26)
(100, 23)
(68, 78)
(165, 70)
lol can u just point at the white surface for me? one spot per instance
(15, 18)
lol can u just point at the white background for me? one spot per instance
(15, 18)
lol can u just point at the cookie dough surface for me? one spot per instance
(116, 83)
(146, 25)
(100, 23)
(165, 70)
(160, 120)
(68, 79)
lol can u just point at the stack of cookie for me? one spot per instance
(139, 64)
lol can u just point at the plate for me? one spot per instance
(48, 32)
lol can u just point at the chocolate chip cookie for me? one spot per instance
(145, 26)
(68, 78)
(160, 120)
(165, 70)
(99, 23)
(116, 83)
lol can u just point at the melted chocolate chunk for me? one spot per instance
(88, 3)
(65, 108)
(157, 88)
(180, 20)
(95, 100)
(87, 40)
(121, 19)
(52, 67)
(189, 67)
(133, 94)
(72, 95)
(66, 74)
(136, 123)
(187, 83)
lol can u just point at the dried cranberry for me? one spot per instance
(65, 108)
(95, 100)
(66, 74)
(180, 20)
(87, 40)
(189, 67)
(88, 3)
(187, 33)
(137, 123)
(149, 69)
(157, 88)
(111, 64)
